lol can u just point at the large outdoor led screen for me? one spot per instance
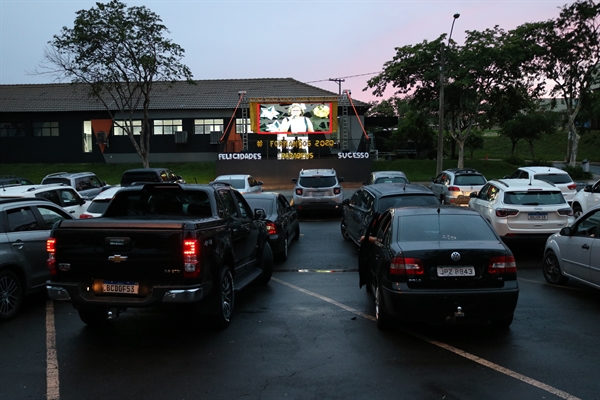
(294, 117)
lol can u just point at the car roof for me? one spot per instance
(232, 176)
(538, 169)
(107, 193)
(28, 200)
(14, 190)
(389, 173)
(460, 171)
(525, 184)
(259, 195)
(433, 209)
(146, 169)
(68, 174)
(318, 171)
(384, 189)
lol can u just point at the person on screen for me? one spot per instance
(296, 122)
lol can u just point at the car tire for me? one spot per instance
(11, 295)
(344, 230)
(577, 211)
(225, 299)
(383, 320)
(283, 255)
(551, 269)
(502, 323)
(266, 264)
(93, 316)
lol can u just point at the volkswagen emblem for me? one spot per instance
(455, 256)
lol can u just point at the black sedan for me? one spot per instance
(439, 264)
(281, 221)
(372, 199)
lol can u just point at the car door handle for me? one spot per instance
(19, 244)
(585, 247)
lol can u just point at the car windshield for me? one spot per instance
(406, 200)
(395, 179)
(469, 180)
(265, 204)
(317, 181)
(534, 198)
(554, 178)
(417, 228)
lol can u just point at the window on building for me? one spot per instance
(239, 125)
(167, 126)
(12, 129)
(118, 125)
(87, 136)
(45, 129)
(206, 126)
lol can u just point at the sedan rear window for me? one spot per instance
(236, 183)
(534, 198)
(419, 228)
(407, 200)
(317, 181)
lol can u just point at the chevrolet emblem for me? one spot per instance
(117, 258)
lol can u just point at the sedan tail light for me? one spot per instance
(453, 189)
(51, 261)
(566, 211)
(502, 265)
(84, 215)
(572, 186)
(506, 212)
(406, 266)
(271, 228)
(191, 264)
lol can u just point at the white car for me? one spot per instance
(574, 252)
(455, 185)
(65, 196)
(522, 207)
(387, 177)
(586, 198)
(557, 176)
(99, 204)
(243, 183)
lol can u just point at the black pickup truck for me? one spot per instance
(160, 243)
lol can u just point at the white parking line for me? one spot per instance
(489, 364)
(52, 382)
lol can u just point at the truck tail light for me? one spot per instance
(271, 228)
(337, 190)
(406, 266)
(566, 211)
(453, 189)
(51, 261)
(191, 253)
(502, 265)
(506, 212)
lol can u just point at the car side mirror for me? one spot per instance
(566, 231)
(473, 194)
(260, 183)
(260, 213)
(588, 188)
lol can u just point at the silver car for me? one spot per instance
(574, 252)
(243, 183)
(318, 189)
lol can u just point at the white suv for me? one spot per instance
(65, 196)
(586, 198)
(523, 207)
(557, 176)
(318, 189)
(455, 185)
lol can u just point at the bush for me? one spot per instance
(577, 172)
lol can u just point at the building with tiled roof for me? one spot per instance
(60, 122)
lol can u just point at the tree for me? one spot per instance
(566, 52)
(119, 53)
(413, 128)
(529, 127)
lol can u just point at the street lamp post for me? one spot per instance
(440, 149)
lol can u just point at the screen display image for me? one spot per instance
(294, 118)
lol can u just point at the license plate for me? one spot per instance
(537, 216)
(318, 194)
(455, 271)
(120, 287)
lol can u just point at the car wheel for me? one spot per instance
(551, 269)
(344, 229)
(266, 264)
(502, 323)
(577, 211)
(383, 320)
(11, 295)
(283, 255)
(225, 298)
(93, 316)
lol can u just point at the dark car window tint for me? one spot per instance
(589, 226)
(416, 228)
(229, 203)
(317, 181)
(554, 178)
(98, 206)
(469, 180)
(51, 215)
(245, 210)
(406, 201)
(264, 203)
(396, 179)
(51, 195)
(533, 198)
(21, 219)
